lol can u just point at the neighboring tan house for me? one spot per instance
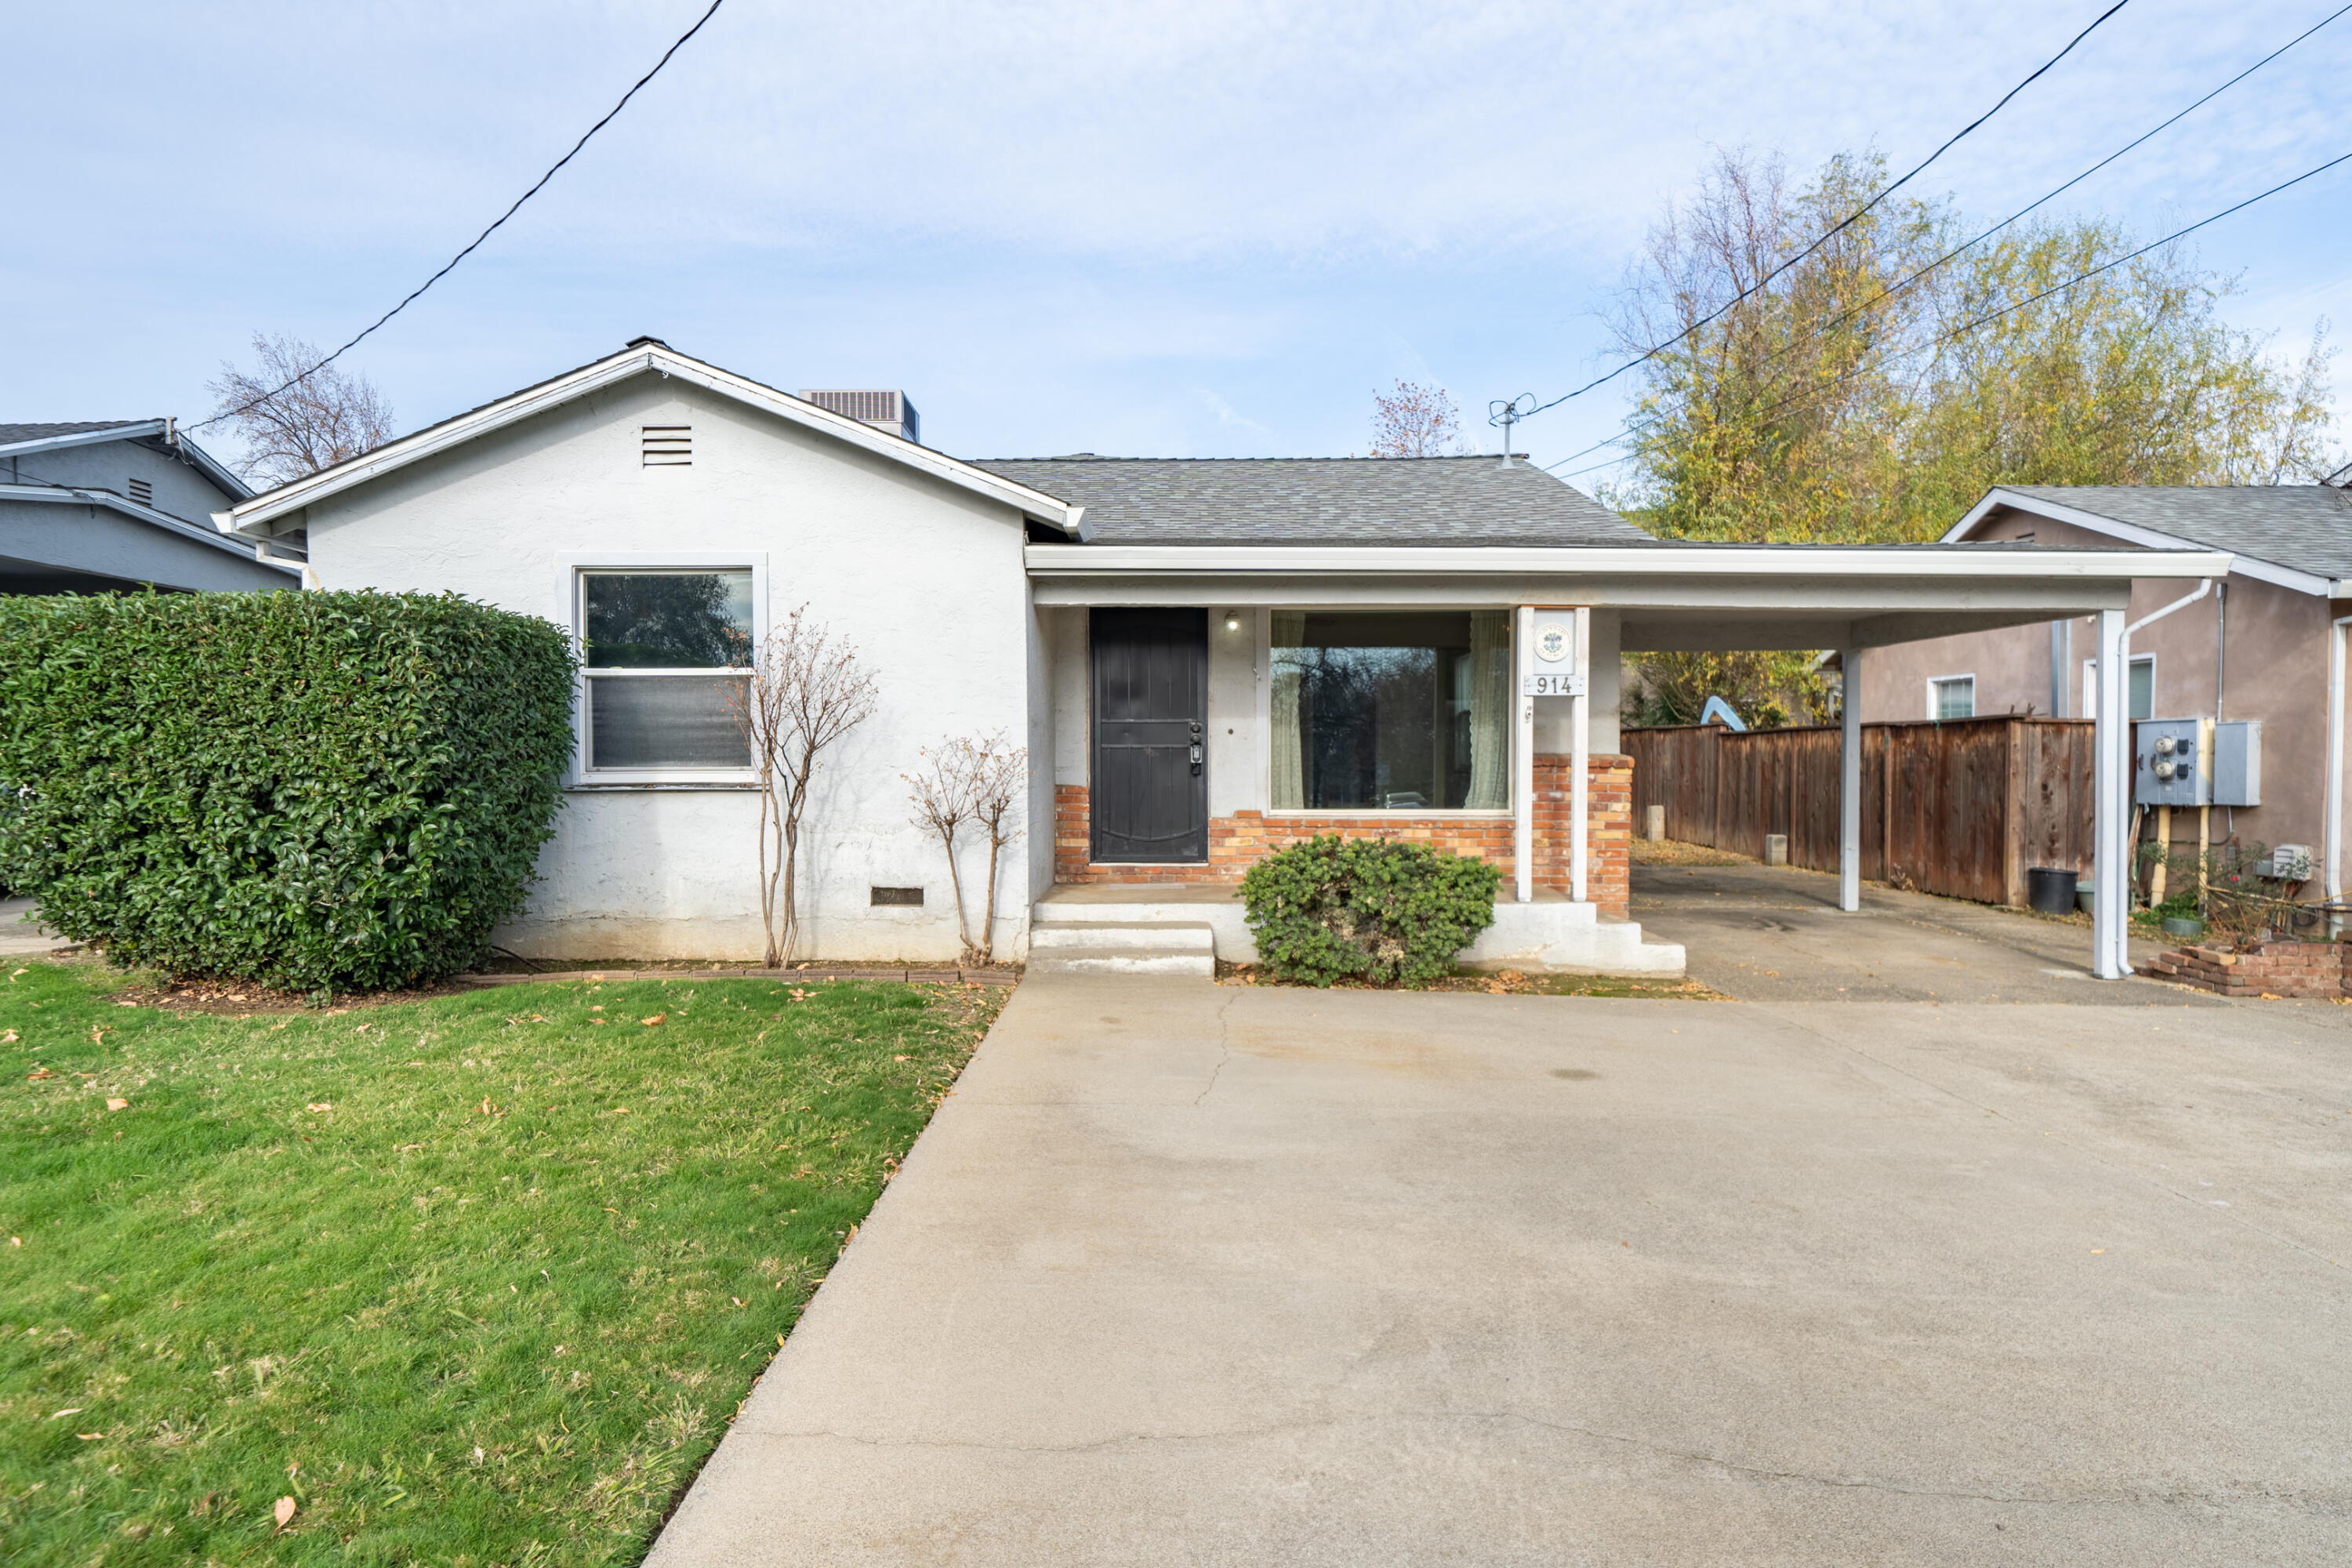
(1204, 659)
(2255, 647)
(115, 505)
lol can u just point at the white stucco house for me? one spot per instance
(1205, 658)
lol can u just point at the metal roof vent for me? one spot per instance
(666, 446)
(884, 410)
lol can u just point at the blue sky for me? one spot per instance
(1210, 229)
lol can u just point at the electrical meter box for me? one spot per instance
(2238, 763)
(2172, 767)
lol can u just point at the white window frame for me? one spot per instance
(2091, 684)
(570, 572)
(1935, 708)
(1264, 661)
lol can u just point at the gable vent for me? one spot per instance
(666, 445)
(143, 491)
(885, 410)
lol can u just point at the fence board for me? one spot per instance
(1962, 807)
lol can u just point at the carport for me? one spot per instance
(1576, 607)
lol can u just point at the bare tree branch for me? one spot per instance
(320, 420)
(1414, 421)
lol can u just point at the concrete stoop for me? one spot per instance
(1097, 929)
(1122, 947)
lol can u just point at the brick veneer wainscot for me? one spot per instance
(1238, 841)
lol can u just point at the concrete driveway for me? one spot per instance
(1185, 1274)
(1775, 933)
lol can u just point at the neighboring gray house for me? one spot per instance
(110, 505)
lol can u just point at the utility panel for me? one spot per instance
(2238, 763)
(2172, 768)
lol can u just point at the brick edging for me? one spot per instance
(2302, 970)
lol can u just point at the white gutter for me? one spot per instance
(1784, 560)
(2181, 603)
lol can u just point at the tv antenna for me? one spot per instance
(1508, 414)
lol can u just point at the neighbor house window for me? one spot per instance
(1391, 710)
(1953, 697)
(2139, 686)
(666, 654)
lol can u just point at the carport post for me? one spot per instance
(1523, 755)
(1579, 774)
(2111, 817)
(1850, 782)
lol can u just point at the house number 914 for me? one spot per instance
(1553, 686)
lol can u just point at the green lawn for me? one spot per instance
(478, 1280)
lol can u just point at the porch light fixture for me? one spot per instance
(1233, 620)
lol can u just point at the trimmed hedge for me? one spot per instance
(313, 791)
(1375, 909)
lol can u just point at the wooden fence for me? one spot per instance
(1960, 807)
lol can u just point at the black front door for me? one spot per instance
(1150, 793)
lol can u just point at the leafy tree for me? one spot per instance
(1875, 390)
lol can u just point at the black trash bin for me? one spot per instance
(2051, 890)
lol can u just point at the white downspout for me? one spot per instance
(1523, 751)
(1850, 781)
(2111, 798)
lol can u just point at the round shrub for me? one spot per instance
(1374, 909)
(313, 791)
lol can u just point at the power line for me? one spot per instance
(2080, 277)
(1633, 427)
(552, 170)
(1849, 221)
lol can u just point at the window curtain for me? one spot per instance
(1289, 738)
(1490, 711)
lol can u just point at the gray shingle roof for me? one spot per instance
(2306, 528)
(1321, 500)
(12, 434)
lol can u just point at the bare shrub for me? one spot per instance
(974, 781)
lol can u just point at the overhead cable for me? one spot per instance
(1631, 427)
(1847, 222)
(452, 262)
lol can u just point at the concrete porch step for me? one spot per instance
(1176, 936)
(1130, 960)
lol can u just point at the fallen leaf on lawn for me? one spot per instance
(596, 1020)
(118, 1103)
(321, 1105)
(620, 1110)
(488, 1108)
(897, 1059)
(596, 1006)
(656, 1018)
(16, 1241)
(284, 1511)
(89, 1437)
(737, 1300)
(7, 1036)
(537, 1018)
(68, 1410)
(38, 1073)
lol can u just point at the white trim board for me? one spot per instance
(253, 516)
(1808, 561)
(2244, 565)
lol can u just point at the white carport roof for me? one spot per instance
(1668, 595)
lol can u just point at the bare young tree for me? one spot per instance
(973, 781)
(1414, 421)
(806, 690)
(322, 419)
(1000, 775)
(942, 801)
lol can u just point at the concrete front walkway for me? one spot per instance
(1185, 1274)
(20, 934)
